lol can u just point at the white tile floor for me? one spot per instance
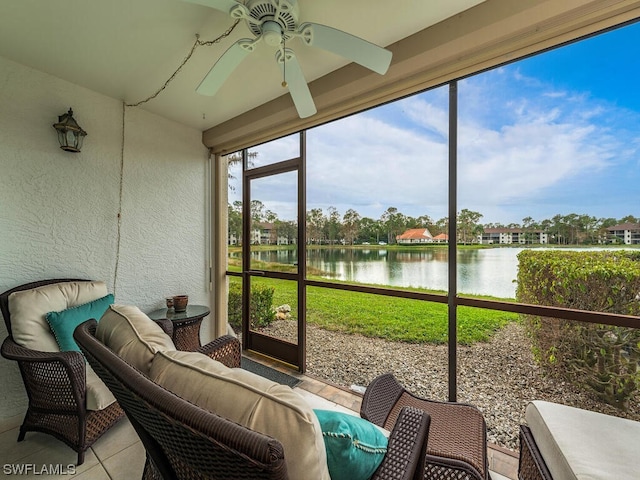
(117, 455)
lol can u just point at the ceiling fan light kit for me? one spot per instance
(276, 22)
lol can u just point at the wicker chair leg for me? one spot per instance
(21, 434)
(82, 435)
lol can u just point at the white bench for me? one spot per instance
(566, 443)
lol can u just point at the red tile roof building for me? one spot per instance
(415, 235)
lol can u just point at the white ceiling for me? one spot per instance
(127, 49)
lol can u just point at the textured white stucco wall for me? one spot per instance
(58, 210)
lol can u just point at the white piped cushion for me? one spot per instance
(132, 335)
(30, 328)
(579, 444)
(29, 307)
(250, 400)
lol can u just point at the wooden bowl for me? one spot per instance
(180, 302)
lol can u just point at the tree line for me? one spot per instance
(330, 227)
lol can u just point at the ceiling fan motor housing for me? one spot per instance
(284, 12)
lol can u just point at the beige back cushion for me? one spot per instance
(31, 329)
(250, 400)
(29, 307)
(132, 335)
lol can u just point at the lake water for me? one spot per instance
(481, 272)
(491, 271)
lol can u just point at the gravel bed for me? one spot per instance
(499, 376)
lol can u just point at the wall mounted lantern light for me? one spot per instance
(70, 134)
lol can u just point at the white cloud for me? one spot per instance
(521, 160)
(368, 164)
(276, 151)
(428, 115)
(555, 94)
(521, 142)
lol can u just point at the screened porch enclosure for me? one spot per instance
(482, 152)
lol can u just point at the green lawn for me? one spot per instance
(391, 318)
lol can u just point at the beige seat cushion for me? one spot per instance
(579, 444)
(132, 335)
(30, 328)
(98, 394)
(250, 400)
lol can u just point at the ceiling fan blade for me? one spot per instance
(222, 5)
(346, 45)
(225, 65)
(295, 81)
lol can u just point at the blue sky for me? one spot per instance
(556, 133)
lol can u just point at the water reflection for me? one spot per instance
(480, 272)
(275, 256)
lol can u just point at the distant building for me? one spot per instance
(415, 235)
(441, 238)
(509, 236)
(266, 234)
(627, 233)
(505, 236)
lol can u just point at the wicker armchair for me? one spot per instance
(184, 441)
(55, 385)
(457, 444)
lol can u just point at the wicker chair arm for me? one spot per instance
(40, 368)
(406, 444)
(225, 349)
(14, 351)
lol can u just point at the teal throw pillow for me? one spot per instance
(355, 447)
(65, 322)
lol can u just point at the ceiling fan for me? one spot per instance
(276, 22)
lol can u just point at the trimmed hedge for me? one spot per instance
(261, 306)
(602, 358)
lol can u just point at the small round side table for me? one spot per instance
(186, 325)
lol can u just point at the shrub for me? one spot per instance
(261, 309)
(235, 305)
(603, 358)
